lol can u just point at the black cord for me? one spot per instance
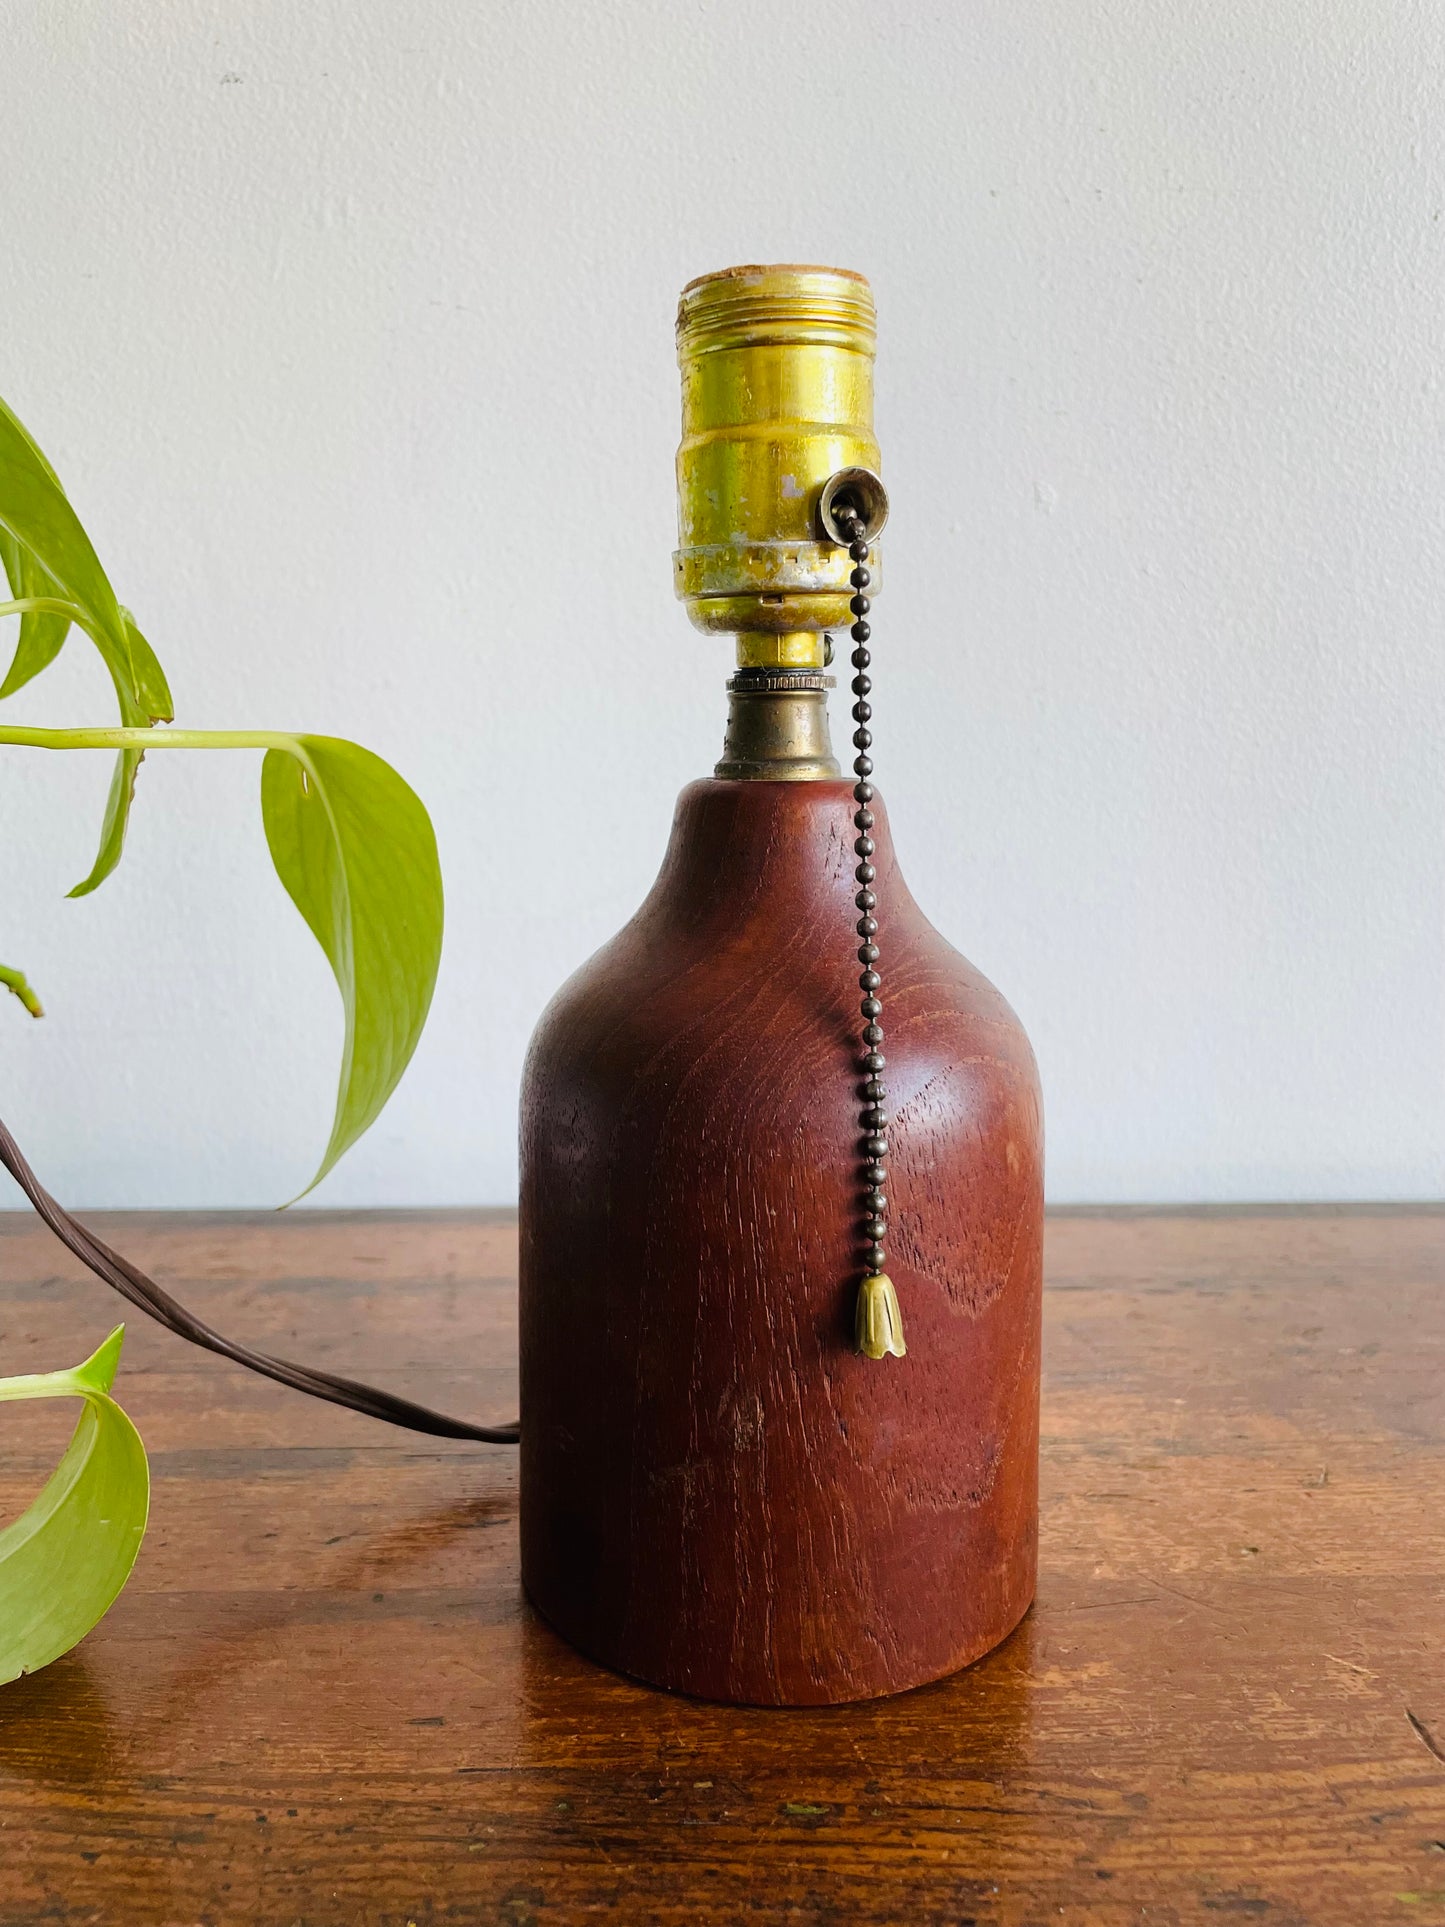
(132, 1283)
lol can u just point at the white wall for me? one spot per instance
(333, 318)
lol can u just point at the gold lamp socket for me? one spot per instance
(777, 425)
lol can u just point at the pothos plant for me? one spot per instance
(355, 850)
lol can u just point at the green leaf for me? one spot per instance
(152, 705)
(355, 849)
(65, 1560)
(41, 633)
(117, 818)
(36, 514)
(46, 552)
(150, 696)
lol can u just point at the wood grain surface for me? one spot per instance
(718, 1494)
(322, 1699)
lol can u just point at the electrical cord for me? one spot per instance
(143, 1292)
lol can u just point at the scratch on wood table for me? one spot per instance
(322, 1699)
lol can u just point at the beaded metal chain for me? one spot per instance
(878, 1325)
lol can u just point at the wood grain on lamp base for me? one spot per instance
(719, 1495)
(323, 1700)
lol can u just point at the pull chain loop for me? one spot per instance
(878, 1322)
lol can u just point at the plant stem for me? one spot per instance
(118, 737)
(49, 605)
(43, 605)
(16, 980)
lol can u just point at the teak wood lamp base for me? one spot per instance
(719, 1494)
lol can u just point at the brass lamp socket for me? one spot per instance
(777, 401)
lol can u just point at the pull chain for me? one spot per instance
(878, 1323)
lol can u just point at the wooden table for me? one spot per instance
(322, 1699)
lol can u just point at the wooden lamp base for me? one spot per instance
(718, 1495)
